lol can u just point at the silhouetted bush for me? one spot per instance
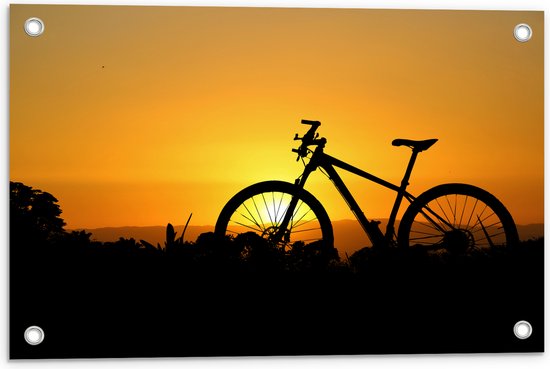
(34, 215)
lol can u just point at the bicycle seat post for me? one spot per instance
(408, 171)
(399, 198)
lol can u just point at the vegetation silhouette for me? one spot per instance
(242, 295)
(34, 214)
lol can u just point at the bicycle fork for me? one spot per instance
(283, 233)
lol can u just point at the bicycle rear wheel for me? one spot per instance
(458, 218)
(261, 208)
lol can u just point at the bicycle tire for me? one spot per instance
(465, 225)
(273, 195)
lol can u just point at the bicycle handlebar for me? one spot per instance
(315, 123)
(308, 139)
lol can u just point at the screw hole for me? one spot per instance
(34, 335)
(34, 27)
(523, 330)
(522, 32)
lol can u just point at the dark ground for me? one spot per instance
(121, 300)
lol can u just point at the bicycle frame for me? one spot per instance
(327, 163)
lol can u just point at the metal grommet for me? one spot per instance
(523, 329)
(34, 335)
(34, 27)
(523, 32)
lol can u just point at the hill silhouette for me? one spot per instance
(152, 234)
(348, 234)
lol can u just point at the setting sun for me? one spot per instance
(263, 212)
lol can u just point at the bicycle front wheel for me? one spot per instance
(261, 209)
(458, 218)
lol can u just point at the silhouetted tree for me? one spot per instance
(34, 214)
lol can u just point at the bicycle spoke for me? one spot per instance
(491, 244)
(490, 226)
(296, 211)
(483, 211)
(472, 214)
(279, 208)
(487, 217)
(413, 231)
(274, 207)
(463, 209)
(460, 217)
(443, 211)
(495, 234)
(441, 227)
(478, 241)
(307, 230)
(298, 221)
(268, 211)
(425, 237)
(247, 218)
(311, 239)
(454, 212)
(283, 215)
(453, 225)
(478, 216)
(306, 222)
(429, 225)
(247, 226)
(263, 212)
(253, 220)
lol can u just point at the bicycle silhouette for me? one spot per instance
(455, 217)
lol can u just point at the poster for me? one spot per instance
(132, 140)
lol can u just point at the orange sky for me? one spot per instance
(142, 115)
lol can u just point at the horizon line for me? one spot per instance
(213, 225)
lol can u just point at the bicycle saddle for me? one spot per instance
(415, 145)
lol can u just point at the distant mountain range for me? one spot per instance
(348, 234)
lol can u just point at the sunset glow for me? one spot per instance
(148, 114)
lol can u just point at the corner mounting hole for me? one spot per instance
(34, 27)
(34, 335)
(522, 32)
(523, 330)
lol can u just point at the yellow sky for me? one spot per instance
(142, 115)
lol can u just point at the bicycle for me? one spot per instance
(454, 217)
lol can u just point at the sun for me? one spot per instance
(263, 214)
